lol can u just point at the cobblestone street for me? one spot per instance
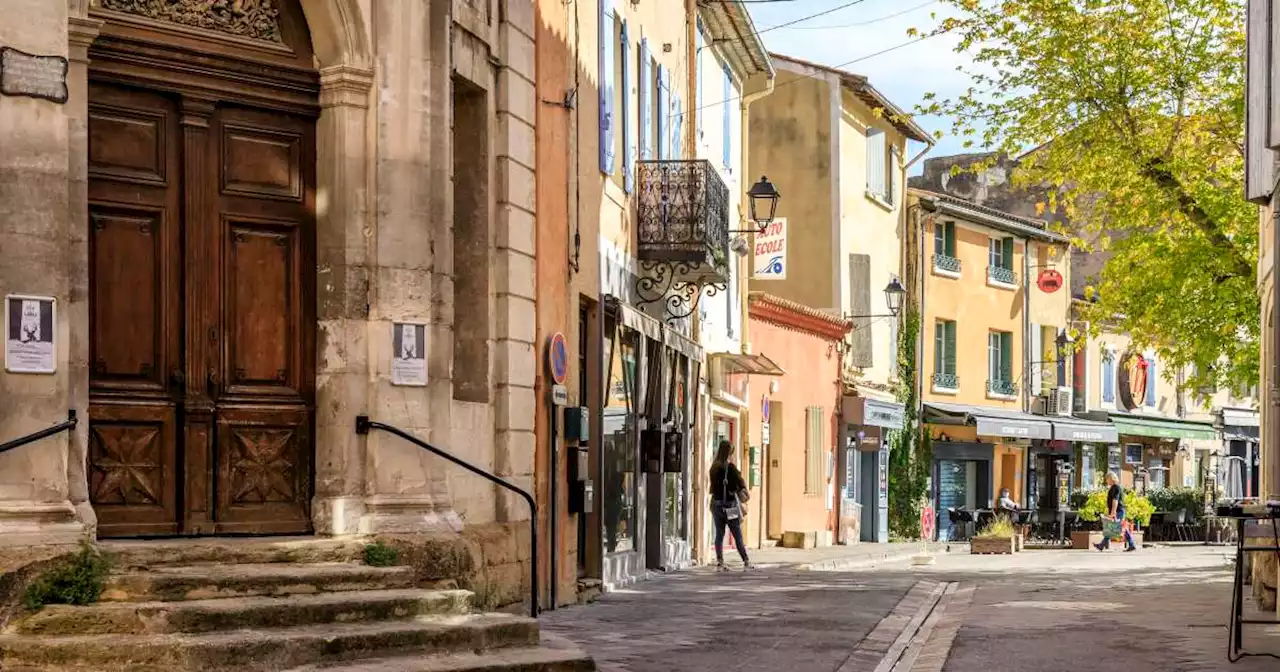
(1163, 609)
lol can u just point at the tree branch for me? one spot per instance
(1155, 170)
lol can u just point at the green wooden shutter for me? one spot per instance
(1006, 353)
(939, 346)
(951, 348)
(951, 239)
(1008, 253)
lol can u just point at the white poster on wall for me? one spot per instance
(409, 358)
(29, 334)
(771, 251)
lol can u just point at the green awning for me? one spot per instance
(1164, 429)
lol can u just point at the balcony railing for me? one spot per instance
(1002, 275)
(942, 262)
(1004, 388)
(682, 216)
(946, 381)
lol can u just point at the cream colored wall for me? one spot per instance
(1048, 310)
(1270, 484)
(869, 226)
(791, 142)
(977, 308)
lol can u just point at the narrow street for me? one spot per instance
(1162, 609)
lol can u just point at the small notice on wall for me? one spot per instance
(23, 74)
(409, 363)
(29, 334)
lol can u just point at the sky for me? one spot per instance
(903, 75)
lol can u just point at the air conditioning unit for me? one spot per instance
(1058, 402)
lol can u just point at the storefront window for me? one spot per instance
(618, 451)
(673, 490)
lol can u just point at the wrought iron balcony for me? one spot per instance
(942, 262)
(946, 381)
(1002, 275)
(1004, 388)
(682, 223)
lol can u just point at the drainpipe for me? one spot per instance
(1026, 325)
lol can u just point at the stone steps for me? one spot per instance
(271, 650)
(231, 551)
(202, 582)
(503, 660)
(199, 616)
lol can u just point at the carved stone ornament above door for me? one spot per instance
(257, 19)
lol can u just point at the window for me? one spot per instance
(944, 355)
(628, 134)
(813, 452)
(606, 41)
(1152, 382)
(618, 449)
(1133, 453)
(1000, 363)
(646, 101)
(1108, 376)
(944, 239)
(727, 118)
(895, 160)
(877, 163)
(1000, 261)
(660, 111)
(471, 261)
(699, 99)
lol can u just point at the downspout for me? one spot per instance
(1026, 325)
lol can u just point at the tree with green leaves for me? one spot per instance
(1128, 116)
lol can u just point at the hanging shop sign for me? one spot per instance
(1133, 380)
(1049, 281)
(771, 251)
(29, 330)
(409, 361)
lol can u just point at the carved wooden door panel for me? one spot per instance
(135, 360)
(263, 373)
(202, 316)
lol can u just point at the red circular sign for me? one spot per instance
(557, 358)
(1049, 281)
(926, 523)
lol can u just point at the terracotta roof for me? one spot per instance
(797, 315)
(1016, 224)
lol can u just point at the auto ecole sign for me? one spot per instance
(771, 251)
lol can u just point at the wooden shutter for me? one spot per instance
(1108, 377)
(891, 194)
(628, 119)
(1006, 356)
(606, 86)
(699, 100)
(950, 361)
(813, 442)
(951, 239)
(646, 101)
(1260, 174)
(861, 353)
(1152, 379)
(1037, 351)
(677, 125)
(875, 162)
(1008, 253)
(725, 94)
(661, 111)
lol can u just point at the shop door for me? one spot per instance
(201, 320)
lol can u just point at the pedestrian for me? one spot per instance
(1115, 512)
(728, 493)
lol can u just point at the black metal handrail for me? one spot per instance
(364, 424)
(36, 436)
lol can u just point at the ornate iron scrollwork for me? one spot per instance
(679, 298)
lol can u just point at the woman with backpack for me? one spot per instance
(728, 493)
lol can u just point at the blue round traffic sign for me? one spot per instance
(558, 358)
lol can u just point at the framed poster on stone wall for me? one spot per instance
(29, 334)
(409, 354)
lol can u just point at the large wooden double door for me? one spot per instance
(201, 267)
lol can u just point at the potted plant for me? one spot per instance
(997, 538)
(1137, 510)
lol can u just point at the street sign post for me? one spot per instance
(927, 528)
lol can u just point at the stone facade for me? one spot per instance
(389, 142)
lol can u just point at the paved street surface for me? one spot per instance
(1162, 609)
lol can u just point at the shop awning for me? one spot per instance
(756, 365)
(1241, 417)
(1088, 431)
(683, 345)
(1163, 428)
(992, 421)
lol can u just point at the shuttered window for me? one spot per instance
(646, 101)
(1152, 380)
(813, 450)
(891, 194)
(727, 93)
(861, 353)
(1000, 356)
(605, 37)
(944, 350)
(1260, 174)
(677, 126)
(660, 107)
(944, 239)
(699, 98)
(1108, 377)
(1000, 254)
(628, 119)
(876, 154)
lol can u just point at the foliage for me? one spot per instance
(379, 554)
(78, 581)
(1135, 110)
(1177, 499)
(910, 454)
(1001, 526)
(1137, 509)
(1080, 496)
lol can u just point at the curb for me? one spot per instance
(838, 564)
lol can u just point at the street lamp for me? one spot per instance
(764, 202)
(894, 293)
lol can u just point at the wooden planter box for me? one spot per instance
(1085, 540)
(993, 545)
(1018, 541)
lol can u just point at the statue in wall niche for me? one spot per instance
(258, 19)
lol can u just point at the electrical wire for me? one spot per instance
(869, 21)
(811, 16)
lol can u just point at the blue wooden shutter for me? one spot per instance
(1151, 382)
(661, 109)
(628, 136)
(646, 102)
(677, 123)
(699, 100)
(728, 93)
(876, 171)
(606, 87)
(1108, 378)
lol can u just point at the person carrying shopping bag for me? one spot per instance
(1114, 523)
(728, 493)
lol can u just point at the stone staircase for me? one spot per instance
(273, 605)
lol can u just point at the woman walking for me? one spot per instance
(726, 504)
(1115, 512)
